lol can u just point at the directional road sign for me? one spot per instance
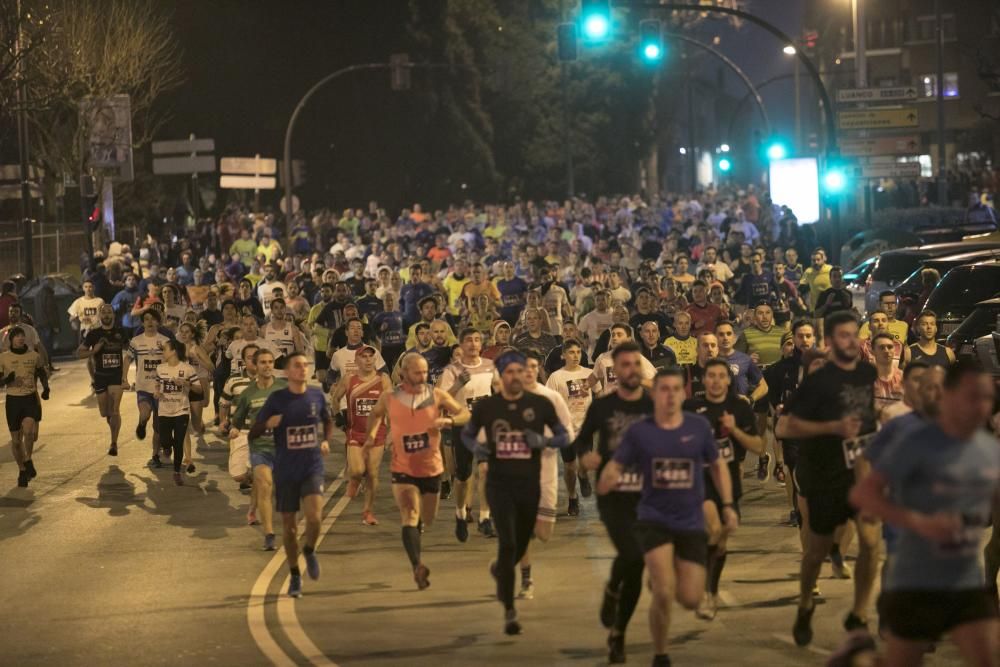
(867, 146)
(183, 146)
(254, 166)
(874, 119)
(180, 156)
(849, 95)
(889, 170)
(247, 182)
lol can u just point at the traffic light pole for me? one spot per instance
(567, 143)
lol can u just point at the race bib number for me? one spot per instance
(301, 437)
(577, 388)
(510, 300)
(967, 543)
(89, 314)
(630, 481)
(511, 445)
(673, 473)
(150, 365)
(853, 447)
(393, 338)
(415, 443)
(364, 406)
(725, 449)
(169, 387)
(610, 377)
(111, 361)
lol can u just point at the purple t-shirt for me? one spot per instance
(671, 461)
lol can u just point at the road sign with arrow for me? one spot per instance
(897, 93)
(868, 146)
(874, 119)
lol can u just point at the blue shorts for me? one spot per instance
(289, 493)
(261, 459)
(145, 397)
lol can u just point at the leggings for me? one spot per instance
(172, 430)
(514, 506)
(617, 512)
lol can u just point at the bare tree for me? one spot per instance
(32, 25)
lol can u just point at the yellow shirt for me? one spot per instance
(453, 289)
(495, 232)
(23, 366)
(321, 335)
(817, 280)
(898, 328)
(411, 336)
(686, 350)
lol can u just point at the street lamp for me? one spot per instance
(789, 50)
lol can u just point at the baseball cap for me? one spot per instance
(364, 348)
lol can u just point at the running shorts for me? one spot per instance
(828, 509)
(102, 382)
(925, 615)
(288, 493)
(145, 397)
(425, 485)
(261, 459)
(239, 456)
(689, 545)
(568, 454)
(20, 408)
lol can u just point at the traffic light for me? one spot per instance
(725, 165)
(835, 180)
(776, 150)
(595, 18)
(651, 40)
(566, 42)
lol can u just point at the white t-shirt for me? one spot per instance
(265, 290)
(85, 310)
(283, 338)
(235, 353)
(148, 354)
(480, 384)
(604, 372)
(572, 387)
(592, 325)
(171, 382)
(562, 410)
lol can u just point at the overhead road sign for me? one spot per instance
(183, 146)
(247, 182)
(868, 146)
(875, 119)
(893, 94)
(889, 170)
(181, 156)
(254, 166)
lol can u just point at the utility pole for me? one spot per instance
(861, 76)
(567, 143)
(942, 179)
(28, 267)
(691, 157)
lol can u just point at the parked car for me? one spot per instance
(988, 353)
(856, 282)
(913, 285)
(982, 321)
(960, 290)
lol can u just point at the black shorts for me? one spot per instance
(102, 382)
(424, 484)
(829, 509)
(790, 453)
(927, 615)
(568, 454)
(288, 493)
(689, 545)
(195, 397)
(322, 360)
(464, 459)
(20, 408)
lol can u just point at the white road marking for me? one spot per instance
(256, 619)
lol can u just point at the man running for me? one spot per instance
(362, 390)
(936, 483)
(683, 344)
(609, 417)
(417, 414)
(175, 380)
(282, 334)
(294, 415)
(670, 448)
(248, 336)
(603, 373)
(513, 421)
(239, 447)
(251, 400)
(571, 383)
(146, 349)
(927, 349)
(20, 370)
(832, 414)
(735, 430)
(106, 346)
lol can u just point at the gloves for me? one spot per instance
(45, 394)
(534, 440)
(8, 379)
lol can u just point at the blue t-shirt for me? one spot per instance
(297, 438)
(929, 472)
(746, 374)
(890, 431)
(388, 327)
(410, 295)
(512, 296)
(671, 461)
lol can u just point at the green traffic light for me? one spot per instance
(835, 180)
(652, 52)
(725, 164)
(596, 27)
(777, 151)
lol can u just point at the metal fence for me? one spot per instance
(56, 248)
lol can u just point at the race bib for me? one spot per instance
(853, 447)
(577, 388)
(363, 406)
(630, 481)
(415, 443)
(511, 445)
(169, 387)
(725, 449)
(111, 361)
(610, 377)
(150, 365)
(673, 473)
(301, 437)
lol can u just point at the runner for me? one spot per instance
(570, 382)
(735, 429)
(609, 417)
(83, 316)
(20, 370)
(416, 416)
(669, 449)
(513, 422)
(294, 415)
(926, 348)
(239, 447)
(106, 345)
(175, 381)
(249, 403)
(832, 414)
(936, 483)
(282, 334)
(146, 349)
(683, 344)
(603, 373)
(362, 389)
(192, 335)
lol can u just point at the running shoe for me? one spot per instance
(295, 586)
(155, 462)
(779, 474)
(368, 519)
(841, 570)
(22, 478)
(312, 565)
(29, 465)
(586, 489)
(763, 471)
(802, 631)
(140, 431)
(707, 608)
(113, 450)
(527, 591)
(178, 480)
(352, 488)
(574, 507)
(794, 519)
(486, 528)
(252, 517)
(269, 544)
(510, 624)
(854, 622)
(661, 660)
(461, 529)
(445, 490)
(616, 649)
(609, 606)
(190, 469)
(420, 574)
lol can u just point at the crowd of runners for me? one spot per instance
(658, 353)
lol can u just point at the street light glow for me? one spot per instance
(683, 151)
(596, 26)
(834, 180)
(725, 164)
(789, 50)
(651, 51)
(777, 151)
(724, 148)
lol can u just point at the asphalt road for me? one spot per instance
(106, 562)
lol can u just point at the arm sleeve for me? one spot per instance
(239, 415)
(710, 447)
(754, 375)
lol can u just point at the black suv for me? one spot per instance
(981, 322)
(960, 290)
